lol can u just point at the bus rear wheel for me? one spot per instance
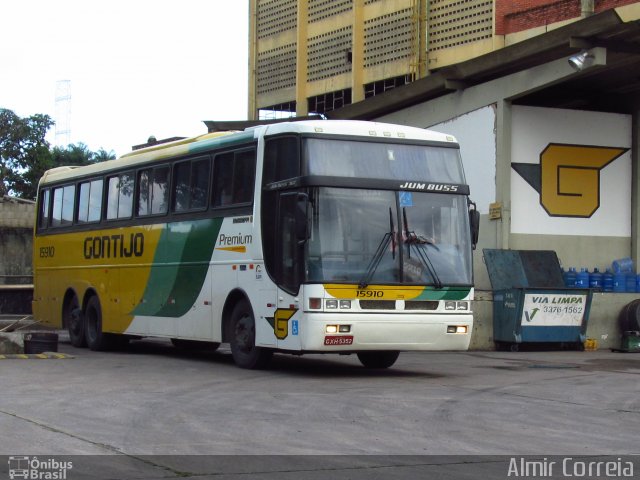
(97, 340)
(243, 339)
(378, 359)
(73, 318)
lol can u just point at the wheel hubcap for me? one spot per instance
(244, 334)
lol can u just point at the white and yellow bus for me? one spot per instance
(296, 237)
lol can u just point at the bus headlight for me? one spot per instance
(457, 329)
(337, 328)
(451, 305)
(345, 304)
(331, 304)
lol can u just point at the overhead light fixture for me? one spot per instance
(582, 60)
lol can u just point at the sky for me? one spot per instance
(136, 67)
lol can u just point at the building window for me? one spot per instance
(276, 112)
(329, 101)
(376, 88)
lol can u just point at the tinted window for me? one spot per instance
(344, 158)
(233, 178)
(63, 198)
(90, 201)
(120, 196)
(43, 213)
(191, 185)
(281, 159)
(153, 191)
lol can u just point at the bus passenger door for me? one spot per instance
(290, 269)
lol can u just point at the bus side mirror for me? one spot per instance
(302, 218)
(474, 223)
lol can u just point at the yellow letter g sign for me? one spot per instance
(570, 178)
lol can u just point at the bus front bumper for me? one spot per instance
(329, 332)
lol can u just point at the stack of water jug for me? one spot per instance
(621, 278)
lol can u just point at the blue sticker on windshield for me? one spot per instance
(406, 199)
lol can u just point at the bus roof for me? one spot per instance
(206, 142)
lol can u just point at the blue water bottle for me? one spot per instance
(638, 283)
(607, 281)
(582, 280)
(631, 283)
(595, 279)
(623, 265)
(619, 282)
(570, 277)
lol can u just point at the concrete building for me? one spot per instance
(314, 56)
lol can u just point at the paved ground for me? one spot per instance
(156, 400)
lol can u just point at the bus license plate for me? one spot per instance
(338, 340)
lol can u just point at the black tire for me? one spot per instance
(378, 359)
(74, 321)
(196, 345)
(96, 339)
(242, 337)
(629, 317)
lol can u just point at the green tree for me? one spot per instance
(22, 146)
(102, 155)
(25, 154)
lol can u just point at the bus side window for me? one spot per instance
(63, 200)
(191, 185)
(244, 171)
(222, 180)
(90, 201)
(233, 178)
(281, 159)
(43, 211)
(120, 196)
(153, 191)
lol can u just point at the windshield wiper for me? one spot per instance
(388, 238)
(418, 243)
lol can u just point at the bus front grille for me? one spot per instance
(421, 305)
(378, 304)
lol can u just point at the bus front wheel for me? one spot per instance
(378, 359)
(243, 339)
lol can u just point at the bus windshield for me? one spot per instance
(388, 237)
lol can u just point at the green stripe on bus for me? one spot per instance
(179, 268)
(446, 293)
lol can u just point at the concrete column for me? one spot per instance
(252, 112)
(423, 44)
(503, 170)
(357, 52)
(302, 108)
(635, 185)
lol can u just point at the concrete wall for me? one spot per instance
(16, 240)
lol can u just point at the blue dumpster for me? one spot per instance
(531, 303)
